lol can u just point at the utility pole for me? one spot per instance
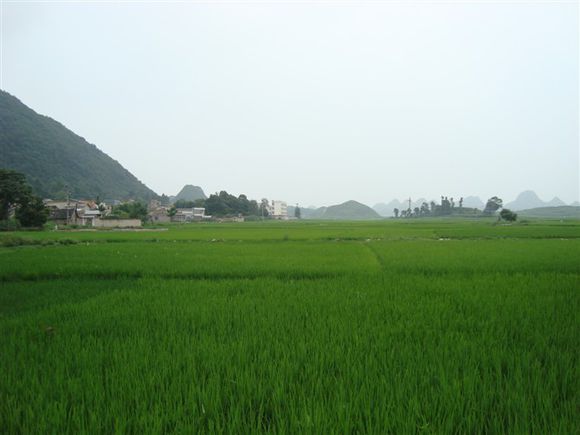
(67, 191)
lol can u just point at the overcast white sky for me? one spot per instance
(312, 103)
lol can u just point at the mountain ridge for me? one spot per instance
(528, 199)
(56, 161)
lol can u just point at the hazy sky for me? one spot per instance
(314, 103)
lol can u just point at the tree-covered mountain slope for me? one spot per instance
(53, 158)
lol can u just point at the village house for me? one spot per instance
(61, 216)
(87, 217)
(159, 215)
(278, 210)
(72, 212)
(85, 213)
(190, 215)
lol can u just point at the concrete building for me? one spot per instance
(159, 215)
(87, 217)
(190, 215)
(199, 213)
(278, 210)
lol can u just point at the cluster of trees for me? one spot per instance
(164, 200)
(508, 215)
(130, 210)
(449, 207)
(492, 205)
(219, 204)
(224, 204)
(182, 203)
(16, 195)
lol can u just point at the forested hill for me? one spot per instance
(190, 193)
(350, 210)
(52, 157)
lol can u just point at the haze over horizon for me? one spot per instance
(312, 103)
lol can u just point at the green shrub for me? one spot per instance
(9, 225)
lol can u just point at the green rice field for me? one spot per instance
(420, 326)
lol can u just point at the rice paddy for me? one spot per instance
(300, 327)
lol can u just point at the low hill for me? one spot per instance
(190, 193)
(555, 202)
(52, 157)
(350, 210)
(313, 213)
(525, 201)
(562, 212)
(310, 212)
(473, 202)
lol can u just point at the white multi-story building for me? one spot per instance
(190, 215)
(278, 210)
